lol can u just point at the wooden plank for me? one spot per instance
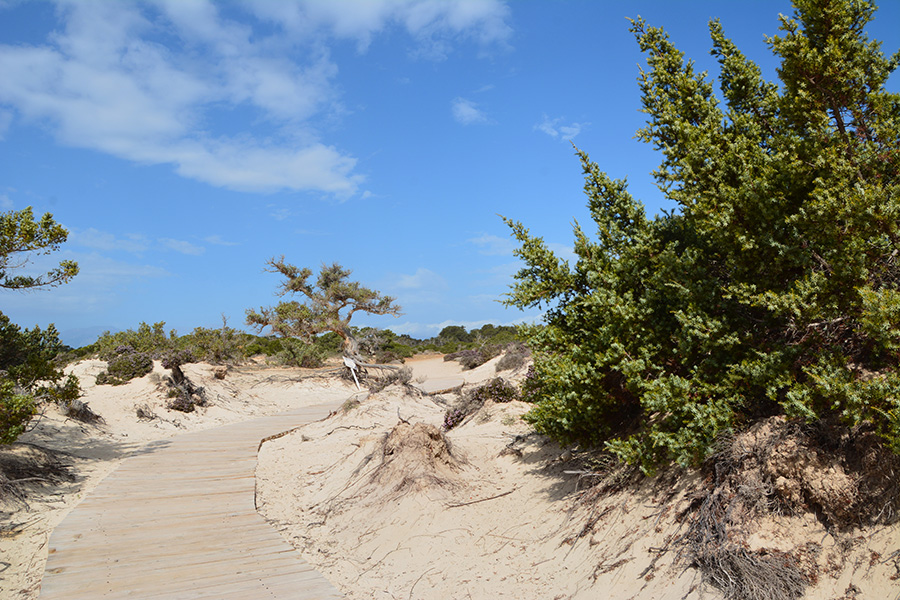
(176, 520)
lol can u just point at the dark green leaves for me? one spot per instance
(775, 285)
(21, 236)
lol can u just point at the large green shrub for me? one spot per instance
(28, 375)
(771, 288)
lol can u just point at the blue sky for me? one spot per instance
(184, 142)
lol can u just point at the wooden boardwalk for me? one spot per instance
(178, 520)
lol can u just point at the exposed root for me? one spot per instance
(845, 477)
(23, 465)
(415, 457)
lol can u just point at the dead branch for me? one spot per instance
(482, 499)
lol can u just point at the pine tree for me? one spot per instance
(772, 288)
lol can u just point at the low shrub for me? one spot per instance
(16, 411)
(297, 353)
(147, 339)
(215, 346)
(400, 376)
(186, 396)
(516, 355)
(496, 390)
(125, 365)
(474, 357)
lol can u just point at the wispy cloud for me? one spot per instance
(182, 246)
(556, 128)
(106, 80)
(493, 245)
(434, 25)
(6, 118)
(421, 279)
(5, 202)
(102, 240)
(100, 283)
(467, 112)
(217, 240)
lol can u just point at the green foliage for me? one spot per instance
(328, 304)
(16, 411)
(216, 346)
(773, 288)
(384, 345)
(126, 365)
(28, 375)
(266, 346)
(496, 390)
(147, 339)
(456, 333)
(298, 353)
(21, 236)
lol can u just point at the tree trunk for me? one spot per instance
(350, 345)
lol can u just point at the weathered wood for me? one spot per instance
(177, 520)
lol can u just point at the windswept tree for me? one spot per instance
(774, 285)
(27, 371)
(328, 305)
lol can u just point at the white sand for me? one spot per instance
(497, 517)
(95, 451)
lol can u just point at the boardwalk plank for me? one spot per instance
(177, 521)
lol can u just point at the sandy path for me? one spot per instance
(178, 521)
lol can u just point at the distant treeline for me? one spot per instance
(225, 345)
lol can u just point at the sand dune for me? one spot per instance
(386, 505)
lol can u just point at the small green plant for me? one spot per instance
(16, 411)
(401, 376)
(125, 365)
(515, 356)
(496, 390)
(29, 374)
(186, 396)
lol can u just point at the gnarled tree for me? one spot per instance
(330, 302)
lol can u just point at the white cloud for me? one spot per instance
(99, 284)
(101, 240)
(467, 112)
(181, 246)
(149, 81)
(6, 118)
(493, 245)
(5, 202)
(421, 279)
(218, 240)
(432, 23)
(104, 83)
(555, 128)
